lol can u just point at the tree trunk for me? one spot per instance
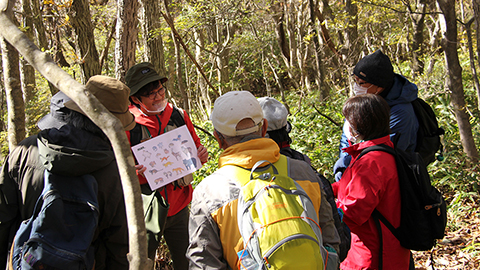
(86, 49)
(222, 39)
(278, 18)
(40, 33)
(27, 72)
(110, 125)
(283, 25)
(179, 73)
(449, 44)
(171, 65)
(292, 62)
(476, 11)
(277, 77)
(418, 23)
(13, 92)
(352, 52)
(202, 88)
(104, 54)
(468, 30)
(302, 52)
(178, 61)
(126, 37)
(266, 78)
(152, 39)
(318, 54)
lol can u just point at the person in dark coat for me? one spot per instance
(70, 144)
(374, 75)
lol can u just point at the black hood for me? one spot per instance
(73, 152)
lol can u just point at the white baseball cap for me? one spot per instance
(275, 113)
(231, 108)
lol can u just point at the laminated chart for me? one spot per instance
(167, 157)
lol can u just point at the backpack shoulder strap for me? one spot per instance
(380, 147)
(136, 135)
(243, 175)
(177, 117)
(376, 214)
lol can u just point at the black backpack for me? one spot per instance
(59, 234)
(423, 210)
(428, 135)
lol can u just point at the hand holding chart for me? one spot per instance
(168, 157)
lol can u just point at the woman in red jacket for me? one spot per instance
(369, 183)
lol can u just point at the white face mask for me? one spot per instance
(160, 109)
(350, 136)
(360, 90)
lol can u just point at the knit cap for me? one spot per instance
(376, 69)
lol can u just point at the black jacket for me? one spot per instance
(68, 152)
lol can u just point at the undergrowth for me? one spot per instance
(316, 131)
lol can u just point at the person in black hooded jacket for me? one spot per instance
(70, 144)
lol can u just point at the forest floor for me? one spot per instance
(459, 249)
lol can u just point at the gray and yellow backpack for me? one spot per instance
(277, 220)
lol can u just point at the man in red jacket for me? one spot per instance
(154, 116)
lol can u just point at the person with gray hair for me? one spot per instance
(240, 127)
(333, 230)
(71, 145)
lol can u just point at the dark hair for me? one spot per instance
(280, 135)
(369, 115)
(147, 89)
(82, 122)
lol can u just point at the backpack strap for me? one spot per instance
(380, 242)
(177, 117)
(136, 135)
(380, 147)
(376, 215)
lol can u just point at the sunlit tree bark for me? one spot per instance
(87, 53)
(150, 19)
(455, 84)
(126, 37)
(13, 91)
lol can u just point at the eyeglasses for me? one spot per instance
(361, 82)
(153, 95)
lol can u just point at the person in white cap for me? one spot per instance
(71, 145)
(240, 128)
